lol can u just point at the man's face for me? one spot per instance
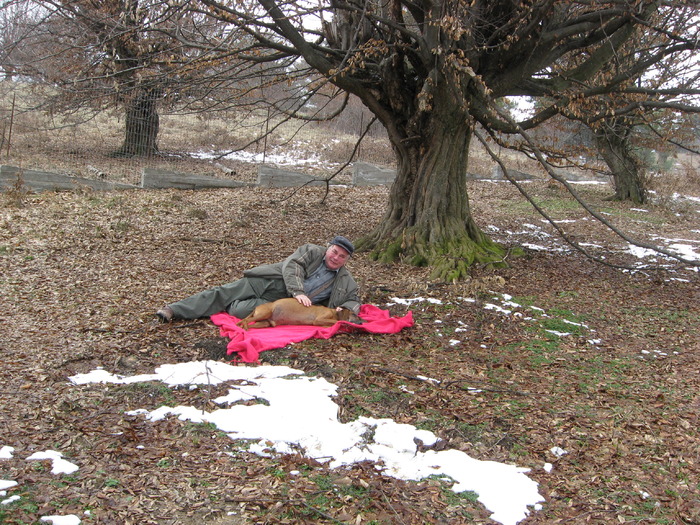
(336, 256)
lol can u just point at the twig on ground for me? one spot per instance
(387, 501)
(445, 384)
(218, 241)
(181, 326)
(319, 512)
(279, 500)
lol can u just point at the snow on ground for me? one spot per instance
(300, 414)
(291, 156)
(689, 249)
(683, 249)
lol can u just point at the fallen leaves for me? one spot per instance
(83, 274)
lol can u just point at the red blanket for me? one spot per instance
(249, 343)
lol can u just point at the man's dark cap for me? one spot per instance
(341, 241)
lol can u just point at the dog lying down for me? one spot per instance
(290, 311)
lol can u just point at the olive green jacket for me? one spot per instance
(300, 265)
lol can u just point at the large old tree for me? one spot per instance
(431, 70)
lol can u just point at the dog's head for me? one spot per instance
(350, 316)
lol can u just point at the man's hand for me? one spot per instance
(303, 299)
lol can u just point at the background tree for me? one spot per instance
(14, 19)
(85, 56)
(430, 71)
(624, 131)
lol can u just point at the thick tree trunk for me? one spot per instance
(613, 145)
(141, 126)
(428, 221)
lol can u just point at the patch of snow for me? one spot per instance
(641, 253)
(535, 247)
(300, 414)
(70, 519)
(491, 306)
(60, 465)
(560, 334)
(685, 250)
(7, 484)
(397, 300)
(428, 379)
(287, 158)
(573, 323)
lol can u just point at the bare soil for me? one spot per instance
(83, 273)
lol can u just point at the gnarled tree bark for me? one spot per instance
(141, 126)
(428, 220)
(613, 141)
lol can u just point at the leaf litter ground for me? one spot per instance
(83, 273)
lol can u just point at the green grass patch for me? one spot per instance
(460, 498)
(323, 482)
(121, 226)
(560, 326)
(202, 429)
(596, 373)
(159, 392)
(525, 300)
(433, 421)
(276, 472)
(542, 349)
(111, 483)
(472, 433)
(628, 214)
(164, 463)
(378, 395)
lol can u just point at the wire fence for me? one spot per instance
(90, 144)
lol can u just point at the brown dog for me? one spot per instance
(290, 311)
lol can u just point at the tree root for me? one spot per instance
(450, 261)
